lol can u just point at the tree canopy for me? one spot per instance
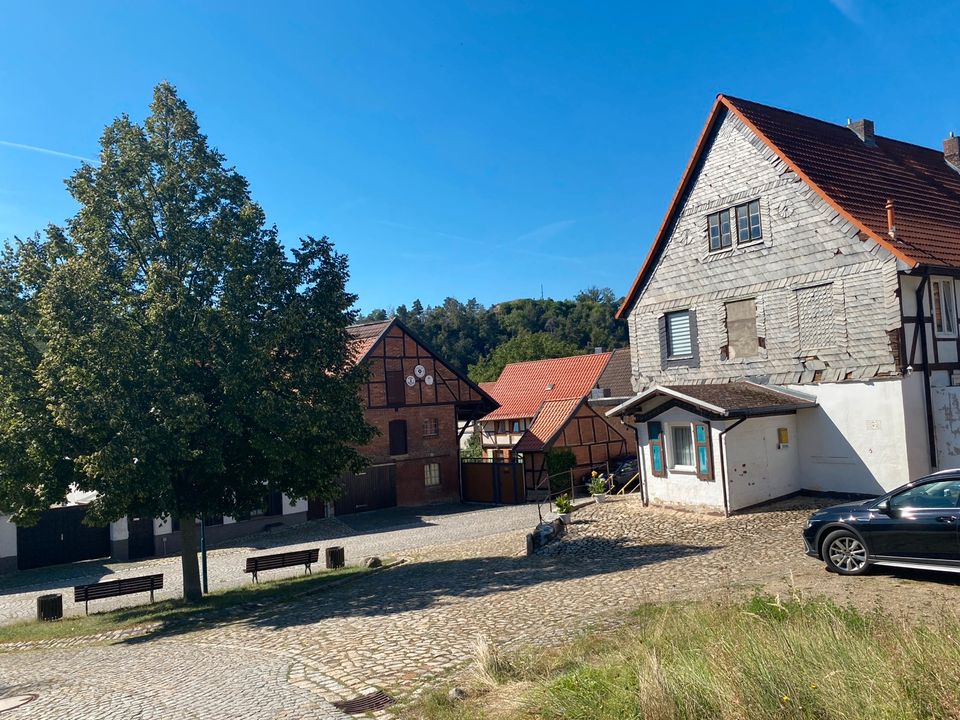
(165, 351)
(467, 334)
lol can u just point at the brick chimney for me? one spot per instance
(951, 150)
(863, 129)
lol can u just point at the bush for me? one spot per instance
(560, 461)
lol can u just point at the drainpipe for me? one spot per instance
(928, 401)
(723, 465)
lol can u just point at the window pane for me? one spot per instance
(949, 307)
(726, 238)
(679, 342)
(714, 222)
(943, 494)
(743, 224)
(755, 231)
(682, 445)
(431, 474)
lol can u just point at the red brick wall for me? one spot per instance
(442, 449)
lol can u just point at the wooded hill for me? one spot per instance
(482, 340)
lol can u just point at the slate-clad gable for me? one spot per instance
(805, 244)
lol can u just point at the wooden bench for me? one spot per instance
(116, 588)
(282, 560)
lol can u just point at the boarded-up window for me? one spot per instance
(815, 311)
(742, 329)
(396, 387)
(679, 339)
(398, 437)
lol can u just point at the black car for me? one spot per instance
(914, 526)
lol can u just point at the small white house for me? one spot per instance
(794, 325)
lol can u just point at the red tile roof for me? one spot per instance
(523, 387)
(365, 336)
(550, 420)
(855, 178)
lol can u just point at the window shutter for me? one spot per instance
(694, 350)
(396, 387)
(658, 459)
(662, 327)
(701, 444)
(398, 437)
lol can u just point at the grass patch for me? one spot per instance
(216, 606)
(749, 661)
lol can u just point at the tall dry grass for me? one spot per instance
(758, 660)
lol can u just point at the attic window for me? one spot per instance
(742, 219)
(550, 386)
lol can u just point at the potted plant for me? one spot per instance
(598, 486)
(564, 507)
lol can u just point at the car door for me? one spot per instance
(921, 523)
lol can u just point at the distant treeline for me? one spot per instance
(482, 340)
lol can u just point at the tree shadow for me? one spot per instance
(418, 586)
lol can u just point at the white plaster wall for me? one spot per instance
(8, 538)
(680, 488)
(856, 439)
(945, 402)
(805, 243)
(915, 422)
(119, 530)
(757, 469)
(296, 507)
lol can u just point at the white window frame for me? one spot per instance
(431, 479)
(671, 460)
(947, 307)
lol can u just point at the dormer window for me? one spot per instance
(721, 226)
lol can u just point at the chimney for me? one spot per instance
(891, 220)
(951, 150)
(597, 350)
(863, 129)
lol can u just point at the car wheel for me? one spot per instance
(845, 553)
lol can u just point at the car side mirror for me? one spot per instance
(884, 508)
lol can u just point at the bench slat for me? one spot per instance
(116, 588)
(281, 560)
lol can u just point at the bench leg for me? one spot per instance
(255, 577)
(86, 607)
(151, 595)
(309, 570)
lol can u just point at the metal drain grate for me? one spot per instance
(12, 702)
(365, 703)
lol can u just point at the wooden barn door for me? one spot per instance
(373, 490)
(60, 537)
(140, 543)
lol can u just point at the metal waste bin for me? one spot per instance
(50, 607)
(335, 557)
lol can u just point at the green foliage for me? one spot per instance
(560, 461)
(467, 334)
(598, 485)
(474, 448)
(525, 346)
(165, 351)
(563, 503)
(765, 658)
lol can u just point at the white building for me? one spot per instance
(809, 269)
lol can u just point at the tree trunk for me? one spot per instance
(188, 559)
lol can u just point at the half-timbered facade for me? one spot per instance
(550, 403)
(416, 401)
(816, 262)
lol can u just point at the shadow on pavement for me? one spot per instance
(417, 586)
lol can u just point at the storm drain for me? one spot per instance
(365, 703)
(12, 702)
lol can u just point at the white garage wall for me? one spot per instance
(757, 469)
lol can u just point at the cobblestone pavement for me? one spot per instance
(385, 532)
(400, 629)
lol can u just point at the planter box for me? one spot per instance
(599, 497)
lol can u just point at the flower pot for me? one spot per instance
(565, 518)
(599, 497)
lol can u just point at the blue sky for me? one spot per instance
(466, 149)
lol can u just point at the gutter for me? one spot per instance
(927, 399)
(723, 465)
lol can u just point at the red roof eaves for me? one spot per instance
(660, 239)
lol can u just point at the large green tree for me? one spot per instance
(525, 346)
(164, 350)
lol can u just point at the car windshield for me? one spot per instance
(941, 494)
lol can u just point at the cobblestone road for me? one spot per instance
(401, 628)
(386, 532)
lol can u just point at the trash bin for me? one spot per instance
(335, 557)
(50, 607)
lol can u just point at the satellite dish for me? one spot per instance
(411, 380)
(428, 379)
(419, 371)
